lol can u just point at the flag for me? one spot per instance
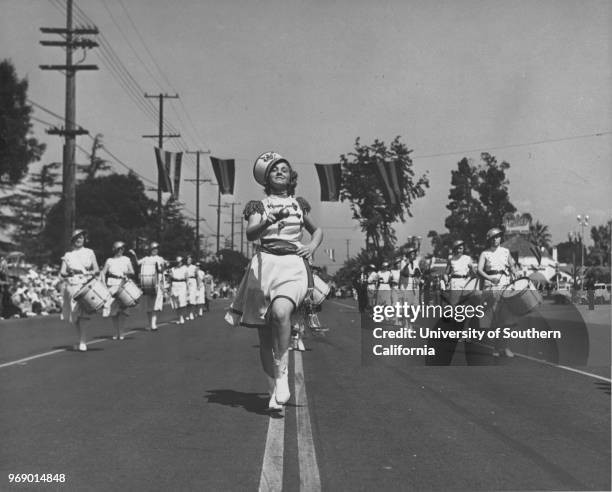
(329, 178)
(388, 174)
(331, 253)
(178, 159)
(163, 170)
(224, 172)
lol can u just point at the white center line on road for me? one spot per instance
(310, 480)
(58, 351)
(271, 479)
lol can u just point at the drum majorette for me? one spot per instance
(79, 266)
(496, 268)
(278, 277)
(383, 296)
(116, 272)
(458, 272)
(152, 283)
(372, 288)
(193, 285)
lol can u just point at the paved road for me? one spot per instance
(184, 409)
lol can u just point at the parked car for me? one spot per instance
(602, 293)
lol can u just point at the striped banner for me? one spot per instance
(163, 159)
(388, 174)
(329, 178)
(178, 159)
(225, 171)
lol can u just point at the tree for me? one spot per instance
(599, 253)
(539, 235)
(363, 189)
(230, 266)
(18, 148)
(96, 163)
(110, 208)
(478, 200)
(30, 210)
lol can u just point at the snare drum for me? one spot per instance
(320, 290)
(128, 294)
(92, 296)
(149, 278)
(521, 297)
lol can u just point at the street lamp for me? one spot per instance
(584, 222)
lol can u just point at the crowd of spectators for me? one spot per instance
(29, 291)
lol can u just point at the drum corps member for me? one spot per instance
(78, 266)
(178, 288)
(496, 267)
(201, 295)
(209, 287)
(457, 272)
(278, 277)
(384, 285)
(115, 271)
(372, 285)
(152, 283)
(192, 287)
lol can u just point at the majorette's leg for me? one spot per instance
(280, 322)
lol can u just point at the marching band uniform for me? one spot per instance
(115, 271)
(457, 272)
(178, 288)
(192, 287)
(410, 276)
(209, 287)
(372, 285)
(201, 293)
(153, 266)
(384, 285)
(396, 295)
(278, 271)
(495, 266)
(78, 267)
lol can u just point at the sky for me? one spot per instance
(528, 81)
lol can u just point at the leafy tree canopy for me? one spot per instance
(362, 187)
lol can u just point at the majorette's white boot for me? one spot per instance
(281, 373)
(273, 404)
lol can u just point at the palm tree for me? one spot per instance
(539, 235)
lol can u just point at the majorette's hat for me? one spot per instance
(371, 267)
(397, 261)
(385, 264)
(77, 233)
(411, 249)
(153, 245)
(264, 163)
(118, 245)
(494, 232)
(457, 243)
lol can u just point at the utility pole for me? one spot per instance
(348, 241)
(197, 182)
(72, 40)
(160, 143)
(233, 204)
(219, 207)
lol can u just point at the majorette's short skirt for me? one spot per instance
(178, 294)
(268, 277)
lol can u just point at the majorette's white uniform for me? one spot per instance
(270, 276)
(82, 260)
(178, 286)
(192, 284)
(116, 270)
(383, 295)
(154, 265)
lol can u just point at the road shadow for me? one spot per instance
(73, 348)
(251, 402)
(605, 387)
